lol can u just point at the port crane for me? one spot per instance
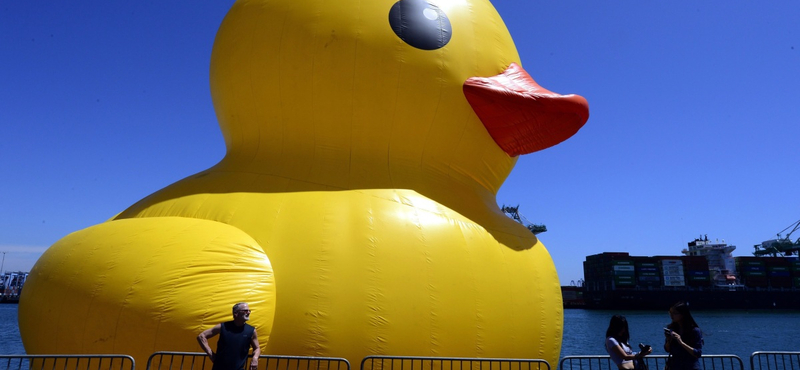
(782, 245)
(513, 213)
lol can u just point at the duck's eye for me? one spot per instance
(420, 24)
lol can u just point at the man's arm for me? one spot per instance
(203, 339)
(256, 350)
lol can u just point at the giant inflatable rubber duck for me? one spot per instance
(354, 210)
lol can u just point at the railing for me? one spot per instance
(66, 362)
(775, 360)
(654, 362)
(721, 362)
(200, 361)
(587, 363)
(760, 360)
(450, 363)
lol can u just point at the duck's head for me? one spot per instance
(380, 93)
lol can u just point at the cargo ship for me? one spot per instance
(706, 275)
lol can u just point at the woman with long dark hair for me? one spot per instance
(617, 337)
(683, 339)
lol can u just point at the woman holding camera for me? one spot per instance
(683, 339)
(617, 336)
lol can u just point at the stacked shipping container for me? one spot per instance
(696, 271)
(766, 272)
(752, 271)
(621, 281)
(610, 271)
(778, 272)
(672, 271)
(623, 271)
(647, 274)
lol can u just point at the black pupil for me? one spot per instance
(420, 24)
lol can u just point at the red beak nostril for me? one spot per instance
(521, 116)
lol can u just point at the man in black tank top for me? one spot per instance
(235, 340)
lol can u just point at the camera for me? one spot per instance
(644, 347)
(667, 331)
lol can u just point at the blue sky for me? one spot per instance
(693, 127)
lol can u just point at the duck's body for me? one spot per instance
(355, 209)
(387, 271)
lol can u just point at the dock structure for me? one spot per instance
(11, 286)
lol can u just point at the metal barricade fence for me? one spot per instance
(66, 362)
(200, 361)
(654, 362)
(721, 362)
(598, 362)
(763, 360)
(450, 363)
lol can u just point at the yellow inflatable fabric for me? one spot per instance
(354, 210)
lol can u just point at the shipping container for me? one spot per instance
(755, 281)
(779, 274)
(674, 280)
(673, 270)
(749, 261)
(655, 279)
(747, 268)
(780, 282)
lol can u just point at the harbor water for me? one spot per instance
(725, 332)
(10, 342)
(734, 332)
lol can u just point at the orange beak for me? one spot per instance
(521, 116)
